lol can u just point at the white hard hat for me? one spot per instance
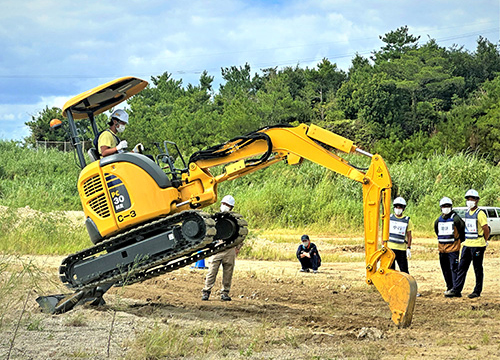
(228, 199)
(445, 201)
(120, 115)
(399, 201)
(472, 193)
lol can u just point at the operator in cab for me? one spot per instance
(109, 143)
(400, 237)
(477, 233)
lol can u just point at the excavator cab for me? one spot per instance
(96, 101)
(123, 190)
(102, 184)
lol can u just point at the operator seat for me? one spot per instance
(93, 154)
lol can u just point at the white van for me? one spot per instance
(492, 213)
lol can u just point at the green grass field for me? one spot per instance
(282, 199)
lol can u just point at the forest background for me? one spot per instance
(431, 112)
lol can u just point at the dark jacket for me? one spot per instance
(311, 249)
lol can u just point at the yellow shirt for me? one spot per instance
(397, 246)
(480, 241)
(106, 139)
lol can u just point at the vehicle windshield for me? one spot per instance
(460, 212)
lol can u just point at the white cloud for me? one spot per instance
(14, 117)
(7, 117)
(51, 49)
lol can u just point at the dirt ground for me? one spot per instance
(276, 313)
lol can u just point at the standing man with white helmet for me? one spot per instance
(225, 258)
(450, 231)
(477, 233)
(400, 238)
(109, 143)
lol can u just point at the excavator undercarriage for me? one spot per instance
(144, 252)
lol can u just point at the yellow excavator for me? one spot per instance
(144, 219)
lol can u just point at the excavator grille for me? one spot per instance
(100, 206)
(92, 186)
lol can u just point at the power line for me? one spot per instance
(335, 56)
(262, 64)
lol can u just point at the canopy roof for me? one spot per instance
(103, 97)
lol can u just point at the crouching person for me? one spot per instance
(308, 255)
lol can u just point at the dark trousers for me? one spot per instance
(449, 266)
(476, 256)
(308, 263)
(401, 260)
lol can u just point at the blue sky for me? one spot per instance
(52, 50)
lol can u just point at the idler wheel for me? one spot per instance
(226, 229)
(191, 229)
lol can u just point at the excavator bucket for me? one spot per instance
(400, 291)
(49, 303)
(61, 303)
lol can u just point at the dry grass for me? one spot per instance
(281, 314)
(17, 276)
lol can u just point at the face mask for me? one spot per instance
(470, 204)
(446, 210)
(398, 211)
(224, 208)
(305, 245)
(120, 128)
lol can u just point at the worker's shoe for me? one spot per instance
(304, 270)
(225, 296)
(315, 271)
(452, 293)
(205, 295)
(473, 295)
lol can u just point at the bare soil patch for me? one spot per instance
(276, 313)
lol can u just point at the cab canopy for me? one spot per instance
(96, 101)
(103, 97)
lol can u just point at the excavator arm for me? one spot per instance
(246, 154)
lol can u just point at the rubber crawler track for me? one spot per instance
(186, 252)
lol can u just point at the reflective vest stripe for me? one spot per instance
(397, 229)
(446, 230)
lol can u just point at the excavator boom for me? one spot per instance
(246, 154)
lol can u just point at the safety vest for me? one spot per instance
(397, 229)
(446, 230)
(96, 139)
(471, 225)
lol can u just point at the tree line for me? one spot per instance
(406, 99)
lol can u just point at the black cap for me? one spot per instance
(304, 237)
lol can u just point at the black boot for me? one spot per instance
(205, 295)
(225, 296)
